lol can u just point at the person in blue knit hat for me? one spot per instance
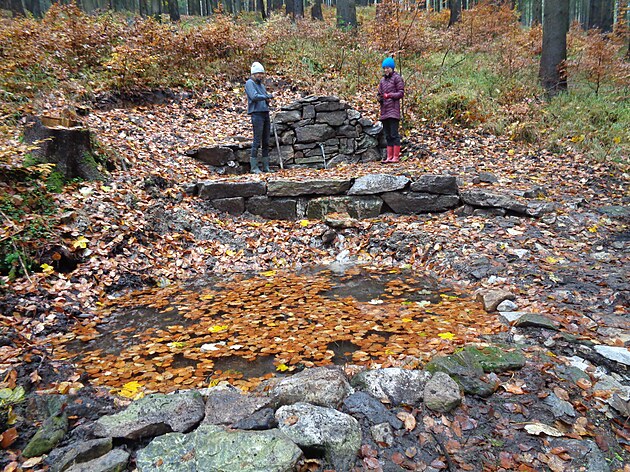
(391, 90)
(258, 109)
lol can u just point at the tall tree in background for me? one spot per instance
(553, 75)
(173, 10)
(316, 10)
(601, 15)
(346, 14)
(298, 8)
(537, 6)
(456, 11)
(260, 5)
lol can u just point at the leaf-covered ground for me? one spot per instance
(138, 229)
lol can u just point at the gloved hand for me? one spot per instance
(386, 95)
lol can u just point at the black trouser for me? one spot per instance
(390, 126)
(262, 127)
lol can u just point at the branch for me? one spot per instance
(15, 248)
(449, 461)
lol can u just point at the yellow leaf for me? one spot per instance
(389, 352)
(593, 229)
(511, 152)
(407, 320)
(213, 383)
(578, 138)
(47, 269)
(304, 223)
(80, 242)
(230, 253)
(551, 260)
(282, 368)
(268, 273)
(177, 344)
(217, 328)
(209, 296)
(446, 335)
(131, 390)
(616, 140)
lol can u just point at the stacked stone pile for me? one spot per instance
(310, 131)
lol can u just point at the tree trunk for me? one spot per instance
(601, 15)
(290, 8)
(553, 74)
(536, 12)
(456, 11)
(298, 8)
(34, 7)
(346, 14)
(16, 7)
(173, 10)
(194, 7)
(316, 11)
(65, 144)
(260, 5)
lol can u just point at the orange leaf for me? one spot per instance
(8, 437)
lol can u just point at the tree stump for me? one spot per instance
(63, 142)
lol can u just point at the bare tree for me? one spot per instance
(553, 75)
(601, 15)
(316, 10)
(456, 11)
(173, 10)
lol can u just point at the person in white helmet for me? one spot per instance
(258, 109)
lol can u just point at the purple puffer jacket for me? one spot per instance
(395, 87)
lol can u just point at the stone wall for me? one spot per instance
(364, 197)
(308, 130)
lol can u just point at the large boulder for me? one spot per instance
(228, 406)
(153, 415)
(438, 184)
(377, 183)
(357, 207)
(393, 385)
(411, 203)
(295, 188)
(212, 448)
(273, 208)
(338, 434)
(78, 453)
(320, 386)
(442, 393)
(363, 405)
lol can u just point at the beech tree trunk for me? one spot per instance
(601, 15)
(346, 14)
(553, 74)
(456, 11)
(316, 11)
(536, 12)
(173, 10)
(64, 143)
(298, 8)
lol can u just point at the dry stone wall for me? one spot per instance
(316, 131)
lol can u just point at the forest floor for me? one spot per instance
(138, 230)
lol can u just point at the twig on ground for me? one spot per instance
(449, 461)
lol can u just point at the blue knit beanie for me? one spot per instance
(389, 62)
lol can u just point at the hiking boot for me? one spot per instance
(253, 163)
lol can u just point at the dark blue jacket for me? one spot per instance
(257, 97)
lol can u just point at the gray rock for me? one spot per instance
(618, 354)
(214, 190)
(260, 420)
(356, 207)
(308, 113)
(441, 393)
(465, 370)
(489, 212)
(382, 434)
(371, 155)
(348, 131)
(492, 298)
(294, 188)
(329, 106)
(438, 184)
(233, 206)
(393, 385)
(559, 407)
(333, 118)
(212, 448)
(412, 203)
(227, 406)
(338, 434)
(507, 306)
(585, 455)
(366, 142)
(353, 114)
(114, 461)
(377, 183)
(49, 434)
(361, 404)
(320, 386)
(512, 316)
(289, 116)
(273, 208)
(365, 122)
(493, 358)
(484, 198)
(79, 452)
(215, 156)
(314, 133)
(487, 178)
(534, 320)
(374, 130)
(153, 415)
(616, 211)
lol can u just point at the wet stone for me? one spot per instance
(362, 405)
(76, 453)
(442, 393)
(319, 386)
(260, 420)
(114, 461)
(534, 320)
(559, 407)
(394, 385)
(382, 434)
(227, 406)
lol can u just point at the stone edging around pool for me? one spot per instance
(364, 197)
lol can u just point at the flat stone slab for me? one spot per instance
(378, 183)
(273, 208)
(534, 320)
(212, 448)
(619, 354)
(485, 199)
(393, 385)
(214, 156)
(295, 188)
(413, 203)
(153, 415)
(438, 184)
(115, 460)
(215, 190)
(356, 207)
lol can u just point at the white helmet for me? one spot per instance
(257, 68)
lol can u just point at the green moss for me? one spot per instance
(55, 182)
